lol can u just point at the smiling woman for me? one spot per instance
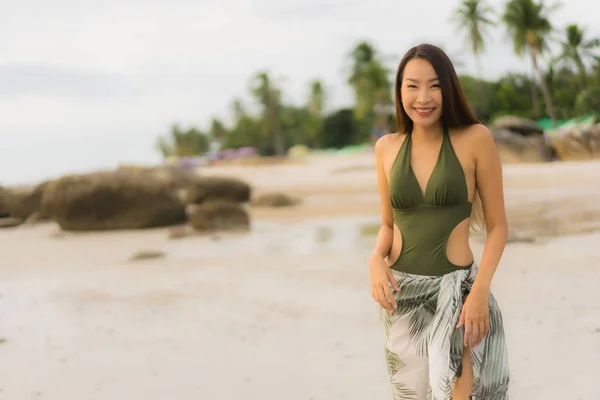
(442, 327)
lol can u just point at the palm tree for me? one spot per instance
(529, 27)
(269, 96)
(316, 100)
(474, 17)
(578, 49)
(316, 105)
(370, 81)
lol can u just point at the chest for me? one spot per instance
(437, 173)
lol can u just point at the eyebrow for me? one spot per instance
(415, 80)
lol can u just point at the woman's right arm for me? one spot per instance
(380, 273)
(385, 237)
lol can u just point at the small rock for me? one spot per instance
(219, 216)
(10, 222)
(274, 199)
(147, 255)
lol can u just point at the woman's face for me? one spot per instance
(421, 93)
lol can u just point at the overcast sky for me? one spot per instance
(85, 85)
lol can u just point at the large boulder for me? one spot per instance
(172, 176)
(218, 216)
(5, 202)
(519, 125)
(516, 148)
(578, 143)
(21, 202)
(111, 200)
(209, 188)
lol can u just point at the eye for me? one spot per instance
(435, 85)
(411, 86)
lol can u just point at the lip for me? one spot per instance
(424, 111)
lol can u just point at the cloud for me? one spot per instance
(299, 11)
(60, 81)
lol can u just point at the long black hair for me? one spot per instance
(456, 112)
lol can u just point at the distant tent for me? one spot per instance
(563, 126)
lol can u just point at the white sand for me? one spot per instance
(281, 313)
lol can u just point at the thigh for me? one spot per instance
(408, 368)
(463, 386)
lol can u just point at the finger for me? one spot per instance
(476, 337)
(461, 319)
(393, 281)
(390, 296)
(475, 333)
(468, 331)
(376, 296)
(382, 300)
(482, 331)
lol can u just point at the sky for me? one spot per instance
(87, 85)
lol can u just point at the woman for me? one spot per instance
(442, 327)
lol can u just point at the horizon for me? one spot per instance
(93, 85)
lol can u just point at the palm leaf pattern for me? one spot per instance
(425, 324)
(400, 389)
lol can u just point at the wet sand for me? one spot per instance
(284, 311)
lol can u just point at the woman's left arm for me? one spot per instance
(488, 176)
(489, 181)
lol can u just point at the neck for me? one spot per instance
(428, 133)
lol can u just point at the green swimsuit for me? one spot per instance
(426, 221)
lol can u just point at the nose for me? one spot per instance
(423, 96)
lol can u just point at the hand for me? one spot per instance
(381, 279)
(475, 317)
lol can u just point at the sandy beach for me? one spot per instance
(284, 312)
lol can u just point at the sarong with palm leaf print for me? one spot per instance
(423, 348)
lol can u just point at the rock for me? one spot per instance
(578, 143)
(519, 125)
(210, 188)
(111, 200)
(218, 216)
(179, 232)
(514, 148)
(10, 222)
(147, 255)
(5, 202)
(171, 176)
(518, 237)
(22, 202)
(274, 200)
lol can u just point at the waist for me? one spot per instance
(425, 231)
(424, 216)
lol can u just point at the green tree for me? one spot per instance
(183, 143)
(246, 130)
(267, 93)
(315, 106)
(578, 49)
(511, 96)
(370, 81)
(528, 25)
(475, 18)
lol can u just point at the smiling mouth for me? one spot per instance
(424, 111)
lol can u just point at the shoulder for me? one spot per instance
(381, 145)
(479, 138)
(479, 133)
(387, 141)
